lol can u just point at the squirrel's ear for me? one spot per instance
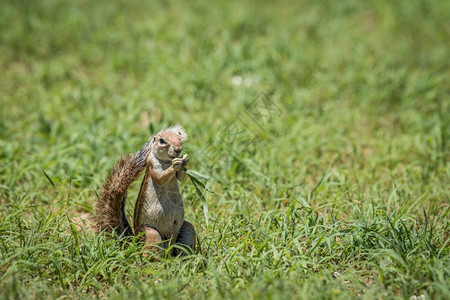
(154, 138)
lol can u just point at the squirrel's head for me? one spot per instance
(167, 144)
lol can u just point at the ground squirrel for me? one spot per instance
(159, 210)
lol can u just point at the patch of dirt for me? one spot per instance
(83, 221)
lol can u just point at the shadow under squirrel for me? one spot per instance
(159, 210)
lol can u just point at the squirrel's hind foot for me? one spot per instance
(187, 239)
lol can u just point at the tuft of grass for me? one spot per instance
(320, 126)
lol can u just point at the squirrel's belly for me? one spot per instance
(166, 214)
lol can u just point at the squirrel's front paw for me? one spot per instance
(185, 159)
(177, 163)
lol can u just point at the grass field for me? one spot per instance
(322, 125)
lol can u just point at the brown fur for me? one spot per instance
(110, 215)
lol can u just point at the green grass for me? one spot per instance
(342, 191)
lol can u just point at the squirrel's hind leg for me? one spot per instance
(186, 237)
(153, 240)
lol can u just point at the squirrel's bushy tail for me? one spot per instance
(110, 209)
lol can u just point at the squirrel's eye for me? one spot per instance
(162, 141)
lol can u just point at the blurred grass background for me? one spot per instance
(344, 195)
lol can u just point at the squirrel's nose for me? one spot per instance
(177, 151)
